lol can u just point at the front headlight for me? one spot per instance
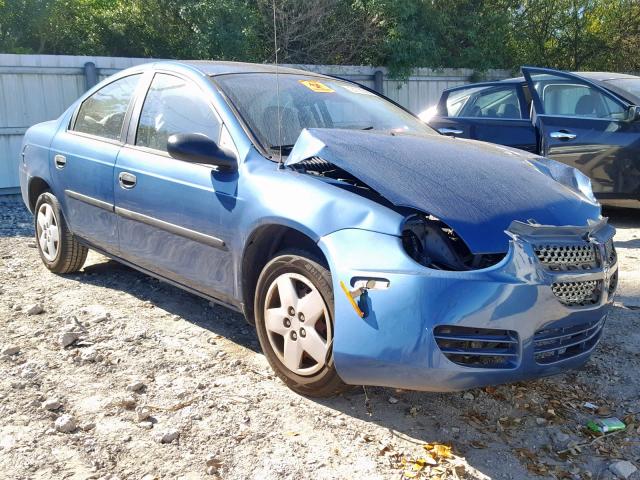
(568, 176)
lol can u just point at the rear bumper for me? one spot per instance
(395, 345)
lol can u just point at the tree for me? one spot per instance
(399, 34)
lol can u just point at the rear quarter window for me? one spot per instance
(102, 114)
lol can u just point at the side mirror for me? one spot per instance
(633, 113)
(198, 148)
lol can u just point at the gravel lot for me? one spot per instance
(156, 383)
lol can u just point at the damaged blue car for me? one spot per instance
(366, 248)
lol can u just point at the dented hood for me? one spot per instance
(478, 189)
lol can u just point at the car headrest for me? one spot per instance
(511, 111)
(586, 105)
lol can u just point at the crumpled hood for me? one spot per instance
(476, 188)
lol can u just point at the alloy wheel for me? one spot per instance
(297, 323)
(48, 232)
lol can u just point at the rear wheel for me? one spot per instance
(58, 248)
(294, 319)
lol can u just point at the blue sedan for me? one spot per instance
(365, 247)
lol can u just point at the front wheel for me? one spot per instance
(294, 320)
(59, 250)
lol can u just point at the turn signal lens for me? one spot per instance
(352, 301)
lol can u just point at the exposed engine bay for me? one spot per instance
(425, 238)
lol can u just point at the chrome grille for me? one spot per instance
(553, 344)
(567, 257)
(478, 347)
(578, 294)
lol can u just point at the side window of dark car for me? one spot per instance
(102, 114)
(174, 105)
(485, 102)
(570, 98)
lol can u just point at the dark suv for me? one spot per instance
(587, 120)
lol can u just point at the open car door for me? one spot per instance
(493, 112)
(588, 127)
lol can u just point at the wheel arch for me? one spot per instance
(37, 186)
(261, 246)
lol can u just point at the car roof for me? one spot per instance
(603, 76)
(602, 79)
(593, 76)
(214, 68)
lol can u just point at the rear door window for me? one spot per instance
(103, 113)
(491, 101)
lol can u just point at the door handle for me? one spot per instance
(450, 131)
(563, 135)
(60, 161)
(127, 180)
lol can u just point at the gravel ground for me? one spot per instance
(111, 374)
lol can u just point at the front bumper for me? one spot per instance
(395, 344)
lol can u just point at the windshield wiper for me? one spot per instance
(286, 149)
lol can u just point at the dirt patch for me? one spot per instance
(122, 376)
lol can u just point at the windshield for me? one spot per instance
(310, 102)
(631, 85)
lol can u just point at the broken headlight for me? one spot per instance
(433, 244)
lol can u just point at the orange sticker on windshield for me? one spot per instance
(316, 86)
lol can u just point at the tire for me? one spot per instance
(285, 335)
(59, 250)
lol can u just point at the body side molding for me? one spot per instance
(172, 228)
(90, 200)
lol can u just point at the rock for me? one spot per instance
(90, 356)
(468, 396)
(393, 400)
(142, 413)
(97, 313)
(88, 426)
(11, 350)
(167, 436)
(35, 309)
(66, 424)
(560, 439)
(146, 425)
(541, 421)
(135, 386)
(128, 403)
(68, 338)
(622, 469)
(51, 404)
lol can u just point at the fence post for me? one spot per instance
(90, 75)
(378, 84)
